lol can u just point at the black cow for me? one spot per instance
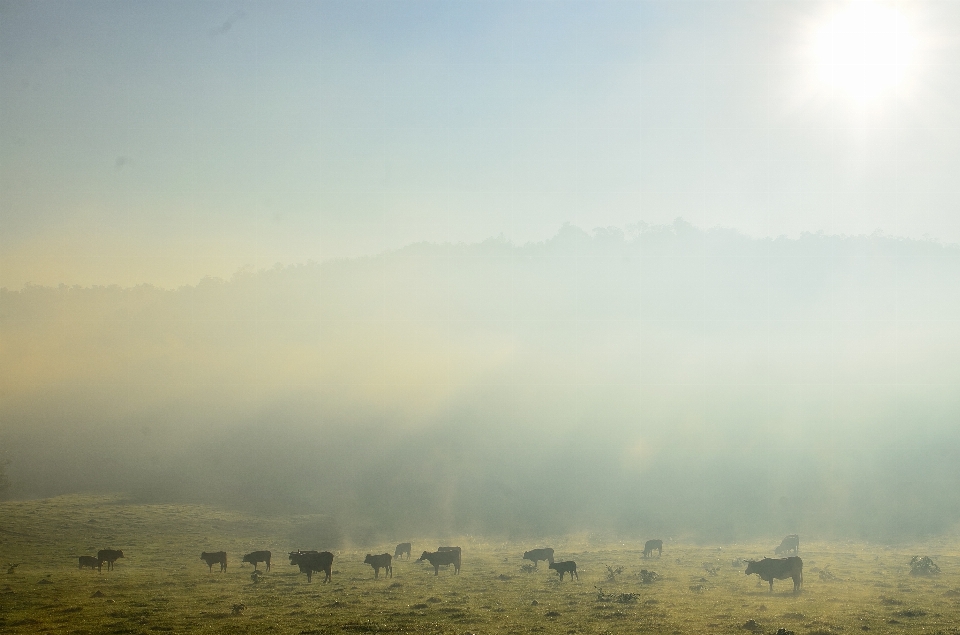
(568, 566)
(437, 558)
(383, 561)
(257, 557)
(312, 561)
(650, 546)
(788, 544)
(109, 556)
(770, 569)
(216, 557)
(539, 554)
(89, 561)
(402, 548)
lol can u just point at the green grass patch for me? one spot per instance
(162, 586)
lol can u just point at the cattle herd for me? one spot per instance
(310, 562)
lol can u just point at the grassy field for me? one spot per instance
(162, 586)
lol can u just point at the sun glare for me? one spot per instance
(864, 50)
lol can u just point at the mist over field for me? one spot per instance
(658, 380)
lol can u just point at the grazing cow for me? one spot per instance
(568, 566)
(650, 546)
(89, 561)
(402, 548)
(539, 554)
(770, 569)
(256, 557)
(312, 561)
(788, 544)
(216, 557)
(437, 558)
(109, 556)
(383, 561)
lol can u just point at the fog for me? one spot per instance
(655, 380)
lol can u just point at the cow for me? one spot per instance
(110, 556)
(652, 545)
(383, 561)
(538, 554)
(89, 561)
(437, 558)
(788, 544)
(770, 569)
(256, 557)
(312, 561)
(568, 566)
(402, 548)
(215, 557)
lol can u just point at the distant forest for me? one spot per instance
(664, 381)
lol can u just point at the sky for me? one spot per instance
(163, 142)
(387, 248)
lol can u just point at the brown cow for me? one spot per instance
(257, 557)
(538, 554)
(653, 545)
(437, 558)
(313, 561)
(89, 561)
(568, 566)
(110, 556)
(216, 557)
(383, 561)
(788, 544)
(770, 569)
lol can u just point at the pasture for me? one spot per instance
(161, 585)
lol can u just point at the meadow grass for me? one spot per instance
(161, 585)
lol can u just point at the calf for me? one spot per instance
(437, 558)
(565, 567)
(383, 561)
(109, 556)
(402, 548)
(256, 557)
(788, 544)
(89, 561)
(770, 569)
(539, 554)
(216, 557)
(312, 561)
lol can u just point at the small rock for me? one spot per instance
(97, 594)
(534, 603)
(44, 581)
(751, 625)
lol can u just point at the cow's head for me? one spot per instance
(368, 559)
(423, 556)
(752, 567)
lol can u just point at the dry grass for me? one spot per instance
(162, 586)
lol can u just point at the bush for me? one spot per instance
(923, 566)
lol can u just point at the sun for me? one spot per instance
(864, 51)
